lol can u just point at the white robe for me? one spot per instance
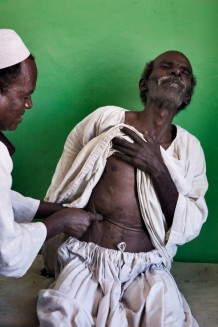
(20, 239)
(80, 168)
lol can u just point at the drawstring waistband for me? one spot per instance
(121, 246)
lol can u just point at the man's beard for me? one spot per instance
(168, 91)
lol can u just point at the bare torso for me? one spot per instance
(115, 197)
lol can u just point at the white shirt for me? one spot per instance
(20, 239)
(83, 161)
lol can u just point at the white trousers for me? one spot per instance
(102, 287)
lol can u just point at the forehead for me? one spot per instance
(26, 80)
(173, 57)
(28, 69)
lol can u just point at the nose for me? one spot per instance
(176, 71)
(28, 103)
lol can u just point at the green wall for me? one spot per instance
(90, 53)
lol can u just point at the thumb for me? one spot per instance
(95, 216)
(149, 138)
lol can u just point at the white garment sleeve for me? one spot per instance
(19, 242)
(191, 209)
(24, 208)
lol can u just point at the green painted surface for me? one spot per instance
(91, 54)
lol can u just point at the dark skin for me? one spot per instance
(71, 221)
(115, 196)
(13, 103)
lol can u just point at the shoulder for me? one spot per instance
(5, 159)
(184, 137)
(97, 122)
(106, 112)
(188, 148)
(107, 117)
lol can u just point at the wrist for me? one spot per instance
(54, 226)
(46, 209)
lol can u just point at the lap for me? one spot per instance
(109, 291)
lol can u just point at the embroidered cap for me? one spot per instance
(12, 48)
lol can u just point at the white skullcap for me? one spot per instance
(12, 48)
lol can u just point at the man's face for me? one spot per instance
(170, 79)
(17, 97)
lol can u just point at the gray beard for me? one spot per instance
(167, 102)
(166, 98)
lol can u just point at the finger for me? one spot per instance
(149, 138)
(119, 140)
(123, 143)
(95, 216)
(124, 157)
(135, 137)
(125, 150)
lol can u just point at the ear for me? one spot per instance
(143, 85)
(187, 99)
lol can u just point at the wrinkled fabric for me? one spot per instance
(101, 287)
(20, 240)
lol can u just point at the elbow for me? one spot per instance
(10, 267)
(12, 272)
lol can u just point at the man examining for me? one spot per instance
(20, 239)
(147, 177)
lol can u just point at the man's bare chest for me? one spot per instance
(115, 195)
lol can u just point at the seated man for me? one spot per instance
(147, 178)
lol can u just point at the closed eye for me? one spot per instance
(165, 66)
(185, 72)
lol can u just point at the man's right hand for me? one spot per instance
(71, 221)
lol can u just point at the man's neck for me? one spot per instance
(158, 121)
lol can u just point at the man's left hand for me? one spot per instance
(145, 156)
